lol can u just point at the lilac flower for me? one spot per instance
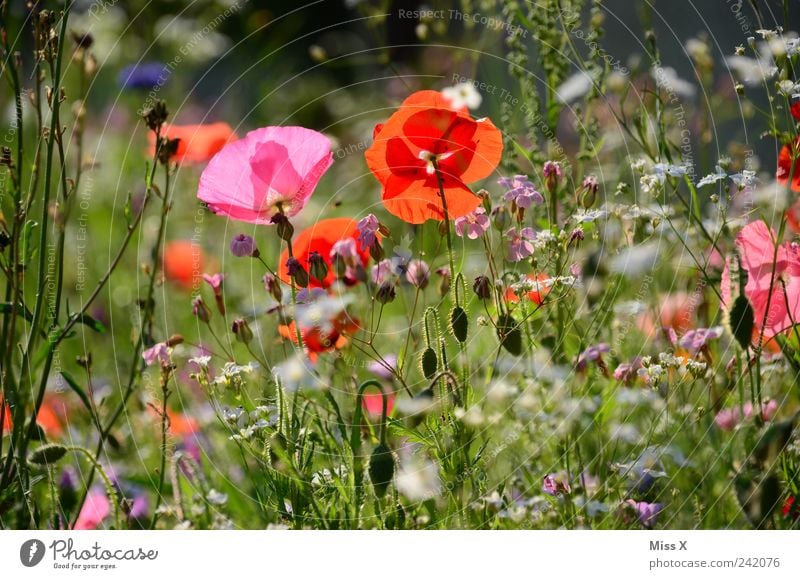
(367, 230)
(473, 225)
(157, 353)
(520, 243)
(144, 75)
(695, 340)
(646, 512)
(382, 272)
(379, 367)
(592, 354)
(418, 273)
(521, 191)
(556, 484)
(244, 246)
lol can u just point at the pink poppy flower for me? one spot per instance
(270, 168)
(96, 508)
(373, 403)
(768, 267)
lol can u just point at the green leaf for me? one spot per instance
(7, 308)
(73, 384)
(94, 324)
(741, 321)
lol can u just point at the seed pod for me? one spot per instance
(459, 323)
(317, 266)
(381, 469)
(47, 454)
(429, 363)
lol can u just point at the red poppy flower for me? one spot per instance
(791, 509)
(425, 133)
(785, 165)
(794, 108)
(320, 238)
(183, 262)
(198, 143)
(52, 416)
(536, 295)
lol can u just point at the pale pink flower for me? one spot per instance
(727, 418)
(368, 230)
(520, 243)
(271, 169)
(473, 225)
(157, 353)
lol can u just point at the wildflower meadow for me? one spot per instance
(353, 265)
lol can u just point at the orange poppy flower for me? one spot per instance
(51, 417)
(426, 133)
(183, 262)
(536, 295)
(320, 238)
(785, 165)
(198, 143)
(317, 341)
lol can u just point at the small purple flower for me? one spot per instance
(368, 230)
(627, 371)
(556, 484)
(473, 225)
(695, 340)
(552, 169)
(215, 281)
(157, 353)
(140, 506)
(646, 512)
(520, 243)
(521, 191)
(418, 273)
(244, 246)
(379, 368)
(144, 75)
(592, 354)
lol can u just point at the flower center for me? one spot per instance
(431, 159)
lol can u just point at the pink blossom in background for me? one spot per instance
(769, 268)
(520, 244)
(96, 508)
(249, 178)
(373, 403)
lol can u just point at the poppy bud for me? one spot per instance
(381, 469)
(429, 362)
(297, 272)
(482, 287)
(386, 293)
(273, 286)
(284, 228)
(459, 323)
(200, 310)
(317, 266)
(242, 331)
